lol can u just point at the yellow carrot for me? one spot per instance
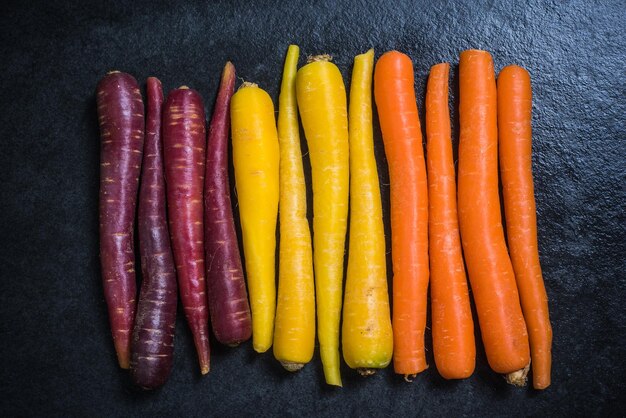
(322, 103)
(294, 331)
(256, 159)
(367, 339)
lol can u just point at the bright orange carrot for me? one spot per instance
(488, 264)
(515, 144)
(397, 110)
(452, 325)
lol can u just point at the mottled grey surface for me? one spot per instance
(56, 353)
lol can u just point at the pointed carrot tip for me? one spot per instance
(229, 68)
(204, 369)
(124, 362)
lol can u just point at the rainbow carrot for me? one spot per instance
(367, 338)
(226, 288)
(452, 325)
(515, 143)
(256, 160)
(294, 332)
(488, 264)
(399, 121)
(120, 114)
(321, 98)
(184, 153)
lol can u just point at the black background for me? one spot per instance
(56, 353)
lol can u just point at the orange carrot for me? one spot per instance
(402, 136)
(452, 325)
(488, 264)
(515, 142)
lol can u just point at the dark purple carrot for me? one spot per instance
(184, 152)
(120, 114)
(228, 299)
(153, 336)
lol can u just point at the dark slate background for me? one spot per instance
(56, 353)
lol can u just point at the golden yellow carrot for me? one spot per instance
(367, 339)
(294, 330)
(321, 98)
(256, 159)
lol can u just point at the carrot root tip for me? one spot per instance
(409, 377)
(291, 366)
(248, 84)
(365, 371)
(204, 370)
(518, 378)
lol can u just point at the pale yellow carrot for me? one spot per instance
(367, 339)
(321, 98)
(294, 330)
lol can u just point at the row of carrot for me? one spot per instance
(193, 239)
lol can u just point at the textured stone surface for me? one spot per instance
(56, 355)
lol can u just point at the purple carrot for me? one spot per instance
(153, 336)
(120, 114)
(228, 300)
(184, 144)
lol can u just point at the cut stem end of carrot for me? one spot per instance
(518, 378)
(291, 366)
(248, 84)
(366, 372)
(317, 58)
